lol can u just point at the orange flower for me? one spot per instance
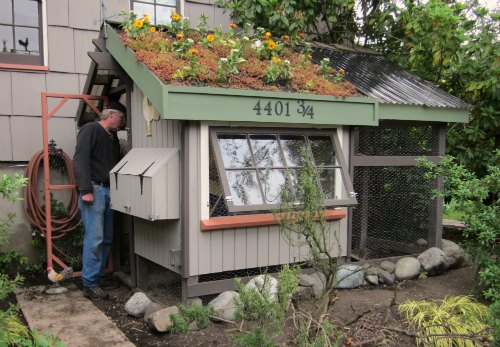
(341, 71)
(175, 17)
(267, 34)
(276, 60)
(138, 23)
(152, 29)
(233, 26)
(146, 18)
(286, 37)
(309, 56)
(271, 45)
(193, 51)
(302, 35)
(179, 36)
(210, 38)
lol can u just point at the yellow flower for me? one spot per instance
(267, 34)
(210, 38)
(276, 60)
(286, 37)
(309, 56)
(179, 36)
(146, 18)
(175, 17)
(193, 51)
(152, 29)
(138, 23)
(271, 44)
(232, 26)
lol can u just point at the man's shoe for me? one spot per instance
(95, 293)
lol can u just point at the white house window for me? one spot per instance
(21, 32)
(159, 11)
(253, 165)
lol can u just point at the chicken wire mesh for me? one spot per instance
(395, 203)
(162, 284)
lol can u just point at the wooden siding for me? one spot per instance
(242, 248)
(154, 240)
(216, 16)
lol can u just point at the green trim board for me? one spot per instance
(423, 113)
(219, 104)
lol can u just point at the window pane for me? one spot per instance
(27, 41)
(167, 2)
(163, 14)
(26, 12)
(291, 149)
(6, 38)
(235, 151)
(5, 11)
(266, 150)
(328, 178)
(272, 182)
(244, 187)
(141, 9)
(322, 150)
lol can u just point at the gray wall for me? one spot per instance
(71, 26)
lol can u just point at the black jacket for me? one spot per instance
(96, 153)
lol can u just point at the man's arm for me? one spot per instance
(82, 163)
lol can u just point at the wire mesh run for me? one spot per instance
(395, 203)
(396, 140)
(163, 285)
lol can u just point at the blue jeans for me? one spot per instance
(97, 220)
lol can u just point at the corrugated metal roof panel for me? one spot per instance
(376, 77)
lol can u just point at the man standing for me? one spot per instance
(97, 152)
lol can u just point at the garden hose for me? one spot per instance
(35, 210)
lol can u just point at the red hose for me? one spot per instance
(32, 203)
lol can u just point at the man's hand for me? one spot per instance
(88, 198)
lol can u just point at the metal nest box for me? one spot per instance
(145, 184)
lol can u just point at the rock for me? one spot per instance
(422, 242)
(372, 279)
(454, 255)
(152, 308)
(160, 320)
(349, 276)
(319, 284)
(193, 326)
(407, 268)
(303, 293)
(305, 280)
(224, 305)
(432, 261)
(265, 285)
(387, 266)
(385, 277)
(137, 304)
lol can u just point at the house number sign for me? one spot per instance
(284, 108)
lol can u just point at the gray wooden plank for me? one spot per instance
(228, 251)
(252, 247)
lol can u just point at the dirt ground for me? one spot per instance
(371, 319)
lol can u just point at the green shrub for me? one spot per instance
(187, 315)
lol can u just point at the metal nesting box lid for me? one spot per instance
(144, 161)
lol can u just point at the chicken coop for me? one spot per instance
(196, 189)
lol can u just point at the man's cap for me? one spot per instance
(113, 105)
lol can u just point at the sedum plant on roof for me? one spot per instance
(180, 55)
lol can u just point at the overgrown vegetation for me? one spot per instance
(477, 200)
(302, 221)
(180, 55)
(264, 309)
(13, 332)
(188, 315)
(456, 321)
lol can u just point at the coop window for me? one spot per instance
(159, 11)
(254, 165)
(21, 32)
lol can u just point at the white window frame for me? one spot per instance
(179, 7)
(343, 177)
